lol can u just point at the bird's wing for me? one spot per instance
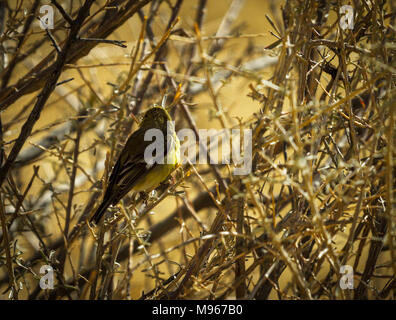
(130, 166)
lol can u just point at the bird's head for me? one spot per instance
(155, 117)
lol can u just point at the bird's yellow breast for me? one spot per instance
(161, 171)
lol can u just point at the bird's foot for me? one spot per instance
(144, 196)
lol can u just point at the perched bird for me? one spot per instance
(133, 170)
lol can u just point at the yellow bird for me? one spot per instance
(132, 171)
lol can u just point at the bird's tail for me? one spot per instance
(100, 211)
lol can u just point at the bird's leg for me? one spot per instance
(167, 183)
(144, 196)
(131, 202)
